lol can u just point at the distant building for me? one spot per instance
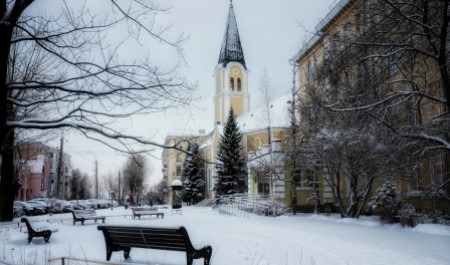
(37, 171)
(173, 159)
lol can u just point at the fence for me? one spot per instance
(81, 261)
(242, 205)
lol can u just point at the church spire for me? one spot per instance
(231, 50)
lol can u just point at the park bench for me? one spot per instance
(138, 211)
(124, 238)
(83, 215)
(37, 230)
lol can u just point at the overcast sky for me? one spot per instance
(271, 32)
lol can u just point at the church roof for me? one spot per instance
(231, 50)
(257, 119)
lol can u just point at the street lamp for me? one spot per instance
(112, 196)
(96, 174)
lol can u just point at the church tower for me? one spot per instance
(231, 74)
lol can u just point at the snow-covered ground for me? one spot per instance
(287, 240)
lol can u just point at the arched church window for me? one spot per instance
(231, 83)
(239, 85)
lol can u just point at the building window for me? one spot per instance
(335, 43)
(392, 62)
(179, 158)
(326, 47)
(347, 34)
(308, 72)
(263, 181)
(308, 180)
(239, 85)
(437, 170)
(436, 106)
(231, 83)
(210, 180)
(178, 171)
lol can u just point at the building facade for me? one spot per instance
(37, 171)
(359, 49)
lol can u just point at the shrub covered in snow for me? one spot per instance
(407, 215)
(393, 209)
(387, 203)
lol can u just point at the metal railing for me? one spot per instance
(76, 261)
(242, 205)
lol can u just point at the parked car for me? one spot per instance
(63, 206)
(26, 208)
(50, 203)
(77, 205)
(96, 204)
(86, 204)
(39, 207)
(17, 211)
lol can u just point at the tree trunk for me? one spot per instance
(353, 203)
(366, 196)
(8, 184)
(7, 192)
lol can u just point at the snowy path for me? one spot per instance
(288, 240)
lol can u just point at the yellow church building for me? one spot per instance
(262, 128)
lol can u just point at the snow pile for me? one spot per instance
(432, 229)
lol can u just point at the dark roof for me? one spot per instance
(231, 50)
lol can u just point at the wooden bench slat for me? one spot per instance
(138, 211)
(119, 238)
(83, 215)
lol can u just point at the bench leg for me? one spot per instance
(47, 236)
(189, 259)
(108, 253)
(29, 239)
(126, 253)
(205, 253)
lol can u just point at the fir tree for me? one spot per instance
(387, 202)
(231, 169)
(192, 176)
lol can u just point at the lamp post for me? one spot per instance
(96, 174)
(112, 196)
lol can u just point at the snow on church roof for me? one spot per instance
(231, 50)
(257, 118)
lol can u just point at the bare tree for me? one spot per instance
(394, 67)
(158, 193)
(79, 185)
(85, 84)
(262, 163)
(135, 171)
(367, 105)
